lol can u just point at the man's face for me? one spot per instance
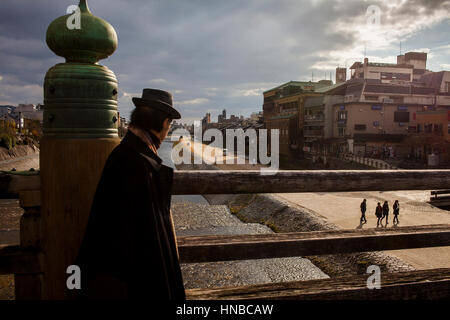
(166, 127)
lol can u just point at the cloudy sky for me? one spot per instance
(216, 54)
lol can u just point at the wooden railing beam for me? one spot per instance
(18, 260)
(278, 245)
(285, 181)
(421, 284)
(281, 181)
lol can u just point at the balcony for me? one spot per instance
(317, 118)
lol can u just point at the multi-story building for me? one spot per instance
(318, 123)
(381, 103)
(377, 112)
(222, 117)
(283, 110)
(409, 67)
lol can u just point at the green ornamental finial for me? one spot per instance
(81, 36)
(84, 6)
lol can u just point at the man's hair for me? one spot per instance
(148, 118)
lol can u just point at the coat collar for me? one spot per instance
(136, 143)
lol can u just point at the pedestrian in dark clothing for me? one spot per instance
(129, 248)
(379, 213)
(396, 208)
(363, 211)
(385, 212)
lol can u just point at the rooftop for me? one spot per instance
(302, 84)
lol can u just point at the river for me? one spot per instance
(164, 153)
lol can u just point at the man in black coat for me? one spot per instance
(129, 249)
(363, 207)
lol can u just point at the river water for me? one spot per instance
(164, 152)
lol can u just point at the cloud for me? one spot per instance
(158, 81)
(195, 101)
(10, 94)
(221, 54)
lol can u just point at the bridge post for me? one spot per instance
(80, 131)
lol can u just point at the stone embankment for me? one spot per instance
(284, 216)
(192, 219)
(21, 158)
(17, 152)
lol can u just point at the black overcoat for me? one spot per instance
(129, 249)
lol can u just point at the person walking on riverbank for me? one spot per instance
(129, 248)
(385, 212)
(379, 213)
(363, 207)
(396, 208)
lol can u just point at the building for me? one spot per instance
(256, 116)
(283, 110)
(318, 123)
(341, 75)
(381, 103)
(222, 117)
(6, 110)
(206, 120)
(432, 137)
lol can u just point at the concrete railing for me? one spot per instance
(371, 162)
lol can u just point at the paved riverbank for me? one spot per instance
(198, 219)
(284, 216)
(342, 210)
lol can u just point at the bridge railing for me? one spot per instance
(25, 260)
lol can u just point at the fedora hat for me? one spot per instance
(157, 99)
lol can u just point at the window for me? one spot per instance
(360, 127)
(395, 76)
(376, 123)
(373, 98)
(437, 129)
(376, 107)
(342, 115)
(341, 132)
(401, 116)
